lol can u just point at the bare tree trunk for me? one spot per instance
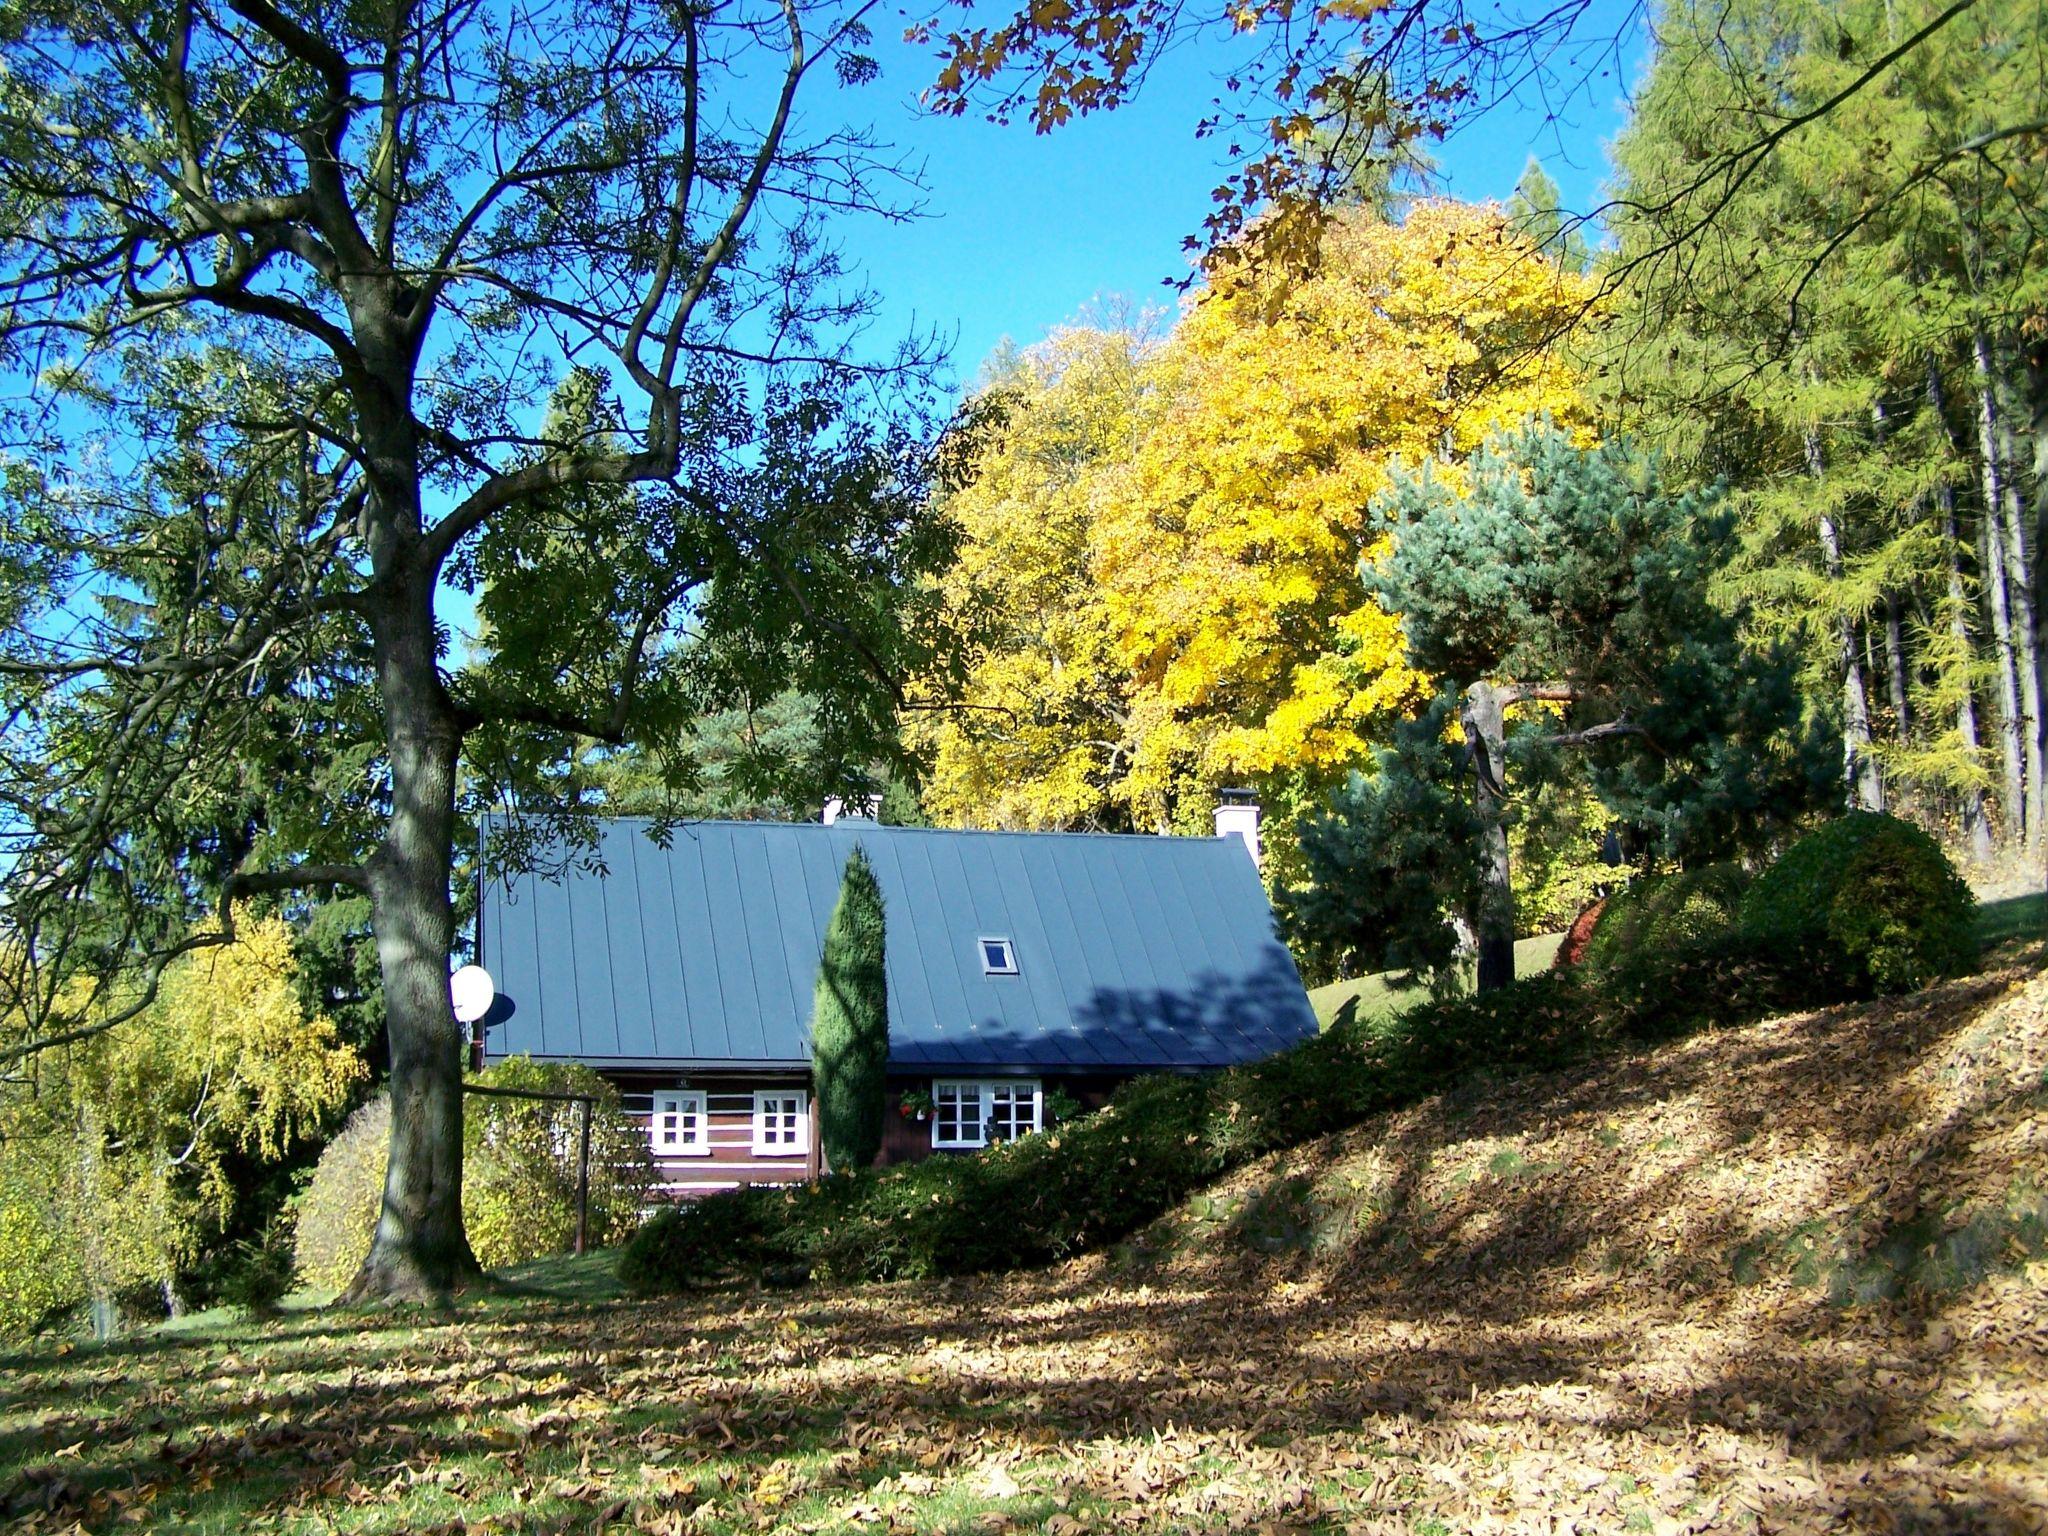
(1484, 718)
(1995, 572)
(2019, 586)
(1859, 766)
(1976, 824)
(1895, 669)
(2033, 374)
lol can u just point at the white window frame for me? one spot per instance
(984, 1090)
(1009, 948)
(676, 1103)
(767, 1142)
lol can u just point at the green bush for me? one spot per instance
(261, 1270)
(337, 1213)
(519, 1164)
(1876, 889)
(1043, 1197)
(518, 1175)
(1661, 911)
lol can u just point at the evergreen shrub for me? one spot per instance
(850, 1022)
(1661, 911)
(1876, 890)
(1081, 1185)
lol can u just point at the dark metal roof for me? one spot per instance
(1132, 952)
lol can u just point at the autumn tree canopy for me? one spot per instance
(1168, 534)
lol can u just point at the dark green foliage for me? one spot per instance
(1660, 994)
(1878, 890)
(262, 1271)
(1566, 600)
(1390, 863)
(850, 1022)
(1577, 572)
(1659, 911)
(1088, 1183)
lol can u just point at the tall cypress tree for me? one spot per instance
(850, 1022)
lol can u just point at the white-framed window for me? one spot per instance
(680, 1126)
(998, 956)
(969, 1112)
(781, 1123)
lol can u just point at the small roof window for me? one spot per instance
(998, 956)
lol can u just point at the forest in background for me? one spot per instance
(1167, 523)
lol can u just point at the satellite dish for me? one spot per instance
(472, 992)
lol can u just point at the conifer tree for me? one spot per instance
(1842, 335)
(1564, 588)
(850, 1022)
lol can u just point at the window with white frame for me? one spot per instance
(973, 1113)
(780, 1122)
(679, 1126)
(998, 956)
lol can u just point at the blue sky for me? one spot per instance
(1023, 230)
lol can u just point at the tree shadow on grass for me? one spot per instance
(1535, 1297)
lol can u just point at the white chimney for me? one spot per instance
(867, 809)
(1237, 815)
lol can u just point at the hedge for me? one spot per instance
(1876, 890)
(1101, 1177)
(1659, 911)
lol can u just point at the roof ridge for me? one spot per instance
(860, 824)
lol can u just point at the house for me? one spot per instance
(1021, 966)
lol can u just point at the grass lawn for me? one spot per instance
(2016, 917)
(1780, 1278)
(1369, 995)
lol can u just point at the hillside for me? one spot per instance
(1782, 1278)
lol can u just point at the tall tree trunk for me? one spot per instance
(1976, 824)
(1859, 765)
(2020, 553)
(1895, 669)
(1995, 573)
(1484, 717)
(420, 1249)
(2033, 376)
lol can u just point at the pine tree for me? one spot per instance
(1561, 586)
(1536, 213)
(850, 1022)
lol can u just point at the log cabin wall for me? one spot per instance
(730, 1160)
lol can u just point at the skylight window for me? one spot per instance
(998, 957)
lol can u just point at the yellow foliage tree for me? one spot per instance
(1173, 535)
(1044, 737)
(117, 1155)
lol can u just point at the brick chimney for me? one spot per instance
(1237, 815)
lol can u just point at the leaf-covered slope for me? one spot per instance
(1869, 1150)
(1596, 1301)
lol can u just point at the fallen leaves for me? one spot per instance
(1517, 1309)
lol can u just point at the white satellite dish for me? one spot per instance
(472, 992)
